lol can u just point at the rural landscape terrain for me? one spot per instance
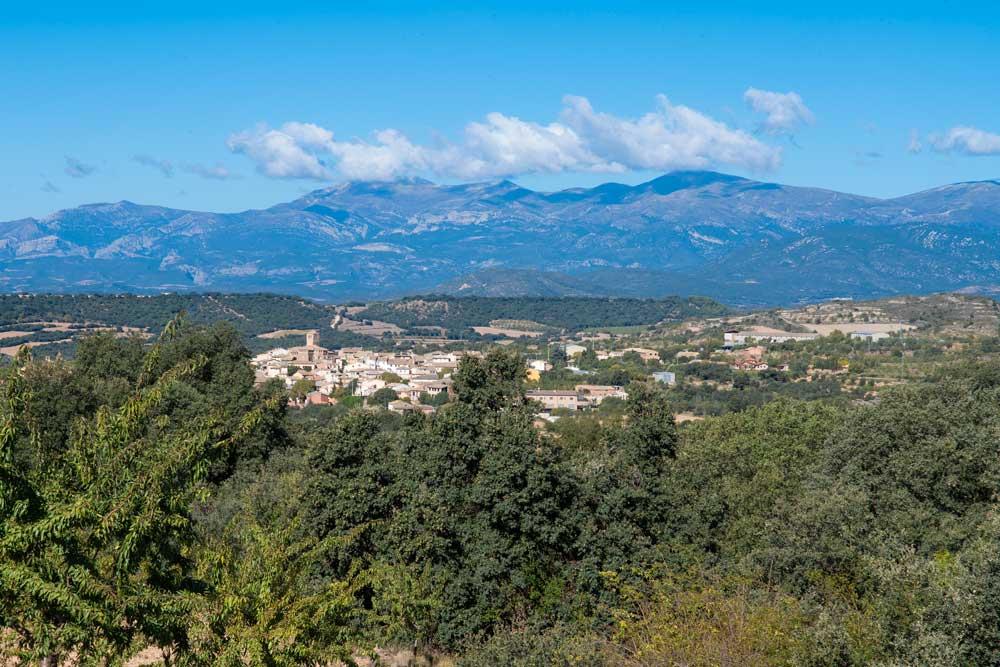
(499, 334)
(441, 480)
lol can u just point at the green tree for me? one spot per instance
(352, 476)
(734, 474)
(491, 383)
(262, 606)
(650, 435)
(94, 544)
(301, 388)
(383, 397)
(437, 400)
(623, 499)
(924, 459)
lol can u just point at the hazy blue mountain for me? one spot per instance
(732, 238)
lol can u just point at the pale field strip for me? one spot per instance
(78, 326)
(64, 327)
(430, 340)
(510, 333)
(517, 325)
(376, 328)
(765, 331)
(842, 327)
(11, 350)
(854, 327)
(281, 333)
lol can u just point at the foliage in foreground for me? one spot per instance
(99, 555)
(152, 496)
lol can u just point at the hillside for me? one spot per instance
(944, 313)
(270, 320)
(457, 315)
(58, 321)
(251, 314)
(737, 240)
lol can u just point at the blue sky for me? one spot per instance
(227, 106)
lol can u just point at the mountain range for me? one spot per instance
(742, 241)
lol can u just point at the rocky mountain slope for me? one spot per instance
(735, 239)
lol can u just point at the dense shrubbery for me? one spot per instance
(152, 496)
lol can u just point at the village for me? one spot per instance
(572, 375)
(416, 382)
(404, 381)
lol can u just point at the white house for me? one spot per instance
(665, 377)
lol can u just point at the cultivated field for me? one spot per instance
(73, 330)
(373, 328)
(853, 327)
(509, 333)
(11, 350)
(282, 333)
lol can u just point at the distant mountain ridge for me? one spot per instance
(692, 232)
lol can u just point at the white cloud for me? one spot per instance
(671, 137)
(308, 135)
(966, 140)
(914, 145)
(506, 145)
(582, 139)
(278, 153)
(165, 167)
(390, 156)
(784, 112)
(50, 187)
(77, 169)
